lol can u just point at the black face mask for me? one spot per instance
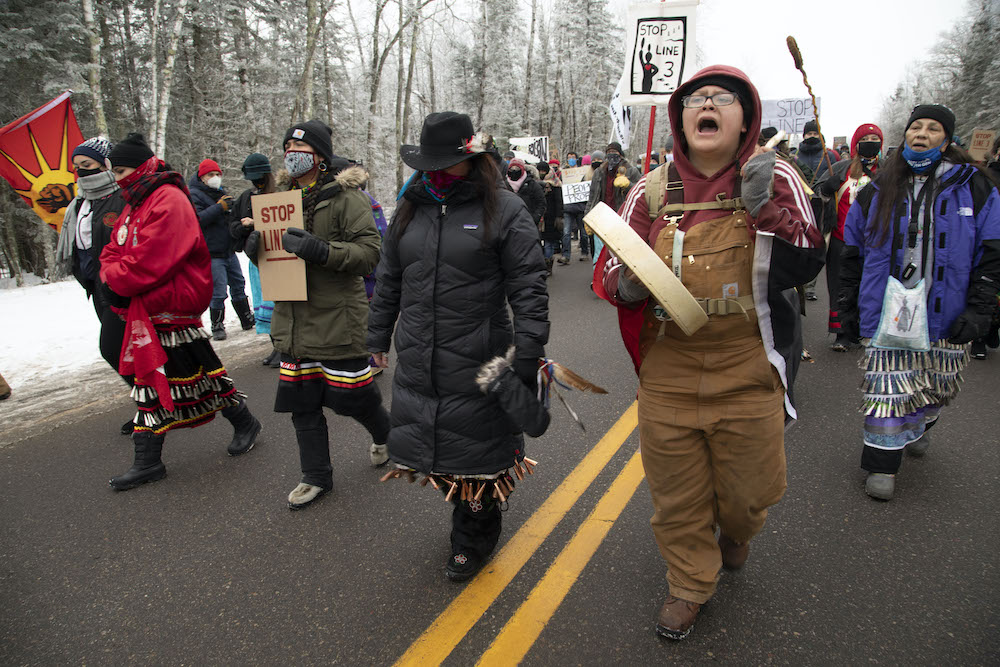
(259, 184)
(514, 174)
(869, 149)
(597, 164)
(811, 142)
(614, 160)
(87, 172)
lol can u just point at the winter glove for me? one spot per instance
(758, 175)
(527, 370)
(976, 319)
(250, 245)
(630, 289)
(305, 245)
(225, 201)
(109, 297)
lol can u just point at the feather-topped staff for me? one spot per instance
(552, 375)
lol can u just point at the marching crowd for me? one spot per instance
(457, 284)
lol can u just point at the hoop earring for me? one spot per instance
(323, 166)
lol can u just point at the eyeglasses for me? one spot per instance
(719, 99)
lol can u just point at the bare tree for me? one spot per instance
(94, 71)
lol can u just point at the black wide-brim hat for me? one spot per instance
(444, 142)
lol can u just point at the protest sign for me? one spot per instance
(840, 141)
(282, 274)
(537, 147)
(981, 145)
(659, 50)
(621, 116)
(574, 174)
(789, 114)
(576, 185)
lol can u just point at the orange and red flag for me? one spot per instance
(35, 158)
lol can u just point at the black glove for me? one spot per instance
(975, 320)
(109, 297)
(305, 245)
(250, 245)
(527, 370)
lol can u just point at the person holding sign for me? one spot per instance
(460, 249)
(324, 362)
(919, 279)
(156, 273)
(736, 226)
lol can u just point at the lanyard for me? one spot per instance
(927, 200)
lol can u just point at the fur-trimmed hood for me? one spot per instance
(353, 176)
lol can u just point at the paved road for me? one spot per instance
(210, 567)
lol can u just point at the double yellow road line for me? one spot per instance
(521, 631)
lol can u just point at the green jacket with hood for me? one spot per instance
(333, 322)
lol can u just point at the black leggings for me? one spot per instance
(112, 334)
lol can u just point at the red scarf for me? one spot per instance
(142, 355)
(148, 176)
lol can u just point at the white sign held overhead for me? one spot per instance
(621, 116)
(789, 114)
(538, 147)
(659, 50)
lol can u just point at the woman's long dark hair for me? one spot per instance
(483, 176)
(893, 180)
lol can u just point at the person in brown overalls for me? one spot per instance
(713, 406)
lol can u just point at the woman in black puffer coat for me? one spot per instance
(459, 250)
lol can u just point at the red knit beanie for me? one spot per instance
(208, 165)
(863, 130)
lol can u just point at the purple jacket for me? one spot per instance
(966, 214)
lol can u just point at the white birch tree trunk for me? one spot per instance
(527, 75)
(154, 67)
(94, 71)
(168, 79)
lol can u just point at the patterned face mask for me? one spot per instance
(298, 163)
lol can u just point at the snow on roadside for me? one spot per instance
(49, 352)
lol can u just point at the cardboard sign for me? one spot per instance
(575, 175)
(282, 274)
(659, 50)
(537, 147)
(981, 146)
(840, 141)
(621, 116)
(789, 114)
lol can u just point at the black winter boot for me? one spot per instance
(273, 360)
(147, 467)
(218, 316)
(242, 307)
(246, 427)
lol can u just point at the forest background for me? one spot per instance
(225, 78)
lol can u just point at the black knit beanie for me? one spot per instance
(131, 151)
(938, 112)
(315, 133)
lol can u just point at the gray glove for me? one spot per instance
(629, 291)
(758, 175)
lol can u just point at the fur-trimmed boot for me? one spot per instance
(147, 466)
(218, 316)
(242, 307)
(246, 428)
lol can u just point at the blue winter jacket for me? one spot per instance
(213, 218)
(966, 213)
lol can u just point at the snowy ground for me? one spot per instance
(49, 355)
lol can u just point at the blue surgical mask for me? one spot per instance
(922, 161)
(571, 161)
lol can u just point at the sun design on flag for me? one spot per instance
(54, 187)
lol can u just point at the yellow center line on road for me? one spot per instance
(448, 629)
(519, 634)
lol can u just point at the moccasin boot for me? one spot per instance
(919, 448)
(880, 485)
(676, 619)
(304, 494)
(462, 566)
(734, 554)
(147, 466)
(379, 454)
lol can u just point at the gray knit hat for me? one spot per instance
(598, 156)
(97, 149)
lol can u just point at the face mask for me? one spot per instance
(299, 163)
(83, 173)
(596, 164)
(614, 159)
(922, 161)
(811, 142)
(442, 180)
(869, 149)
(95, 186)
(571, 161)
(514, 174)
(215, 182)
(259, 183)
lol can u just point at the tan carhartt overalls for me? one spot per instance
(711, 415)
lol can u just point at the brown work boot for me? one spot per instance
(734, 554)
(676, 618)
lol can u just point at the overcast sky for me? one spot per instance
(854, 52)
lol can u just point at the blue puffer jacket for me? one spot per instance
(966, 214)
(213, 219)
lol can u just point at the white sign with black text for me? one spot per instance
(536, 146)
(659, 50)
(789, 114)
